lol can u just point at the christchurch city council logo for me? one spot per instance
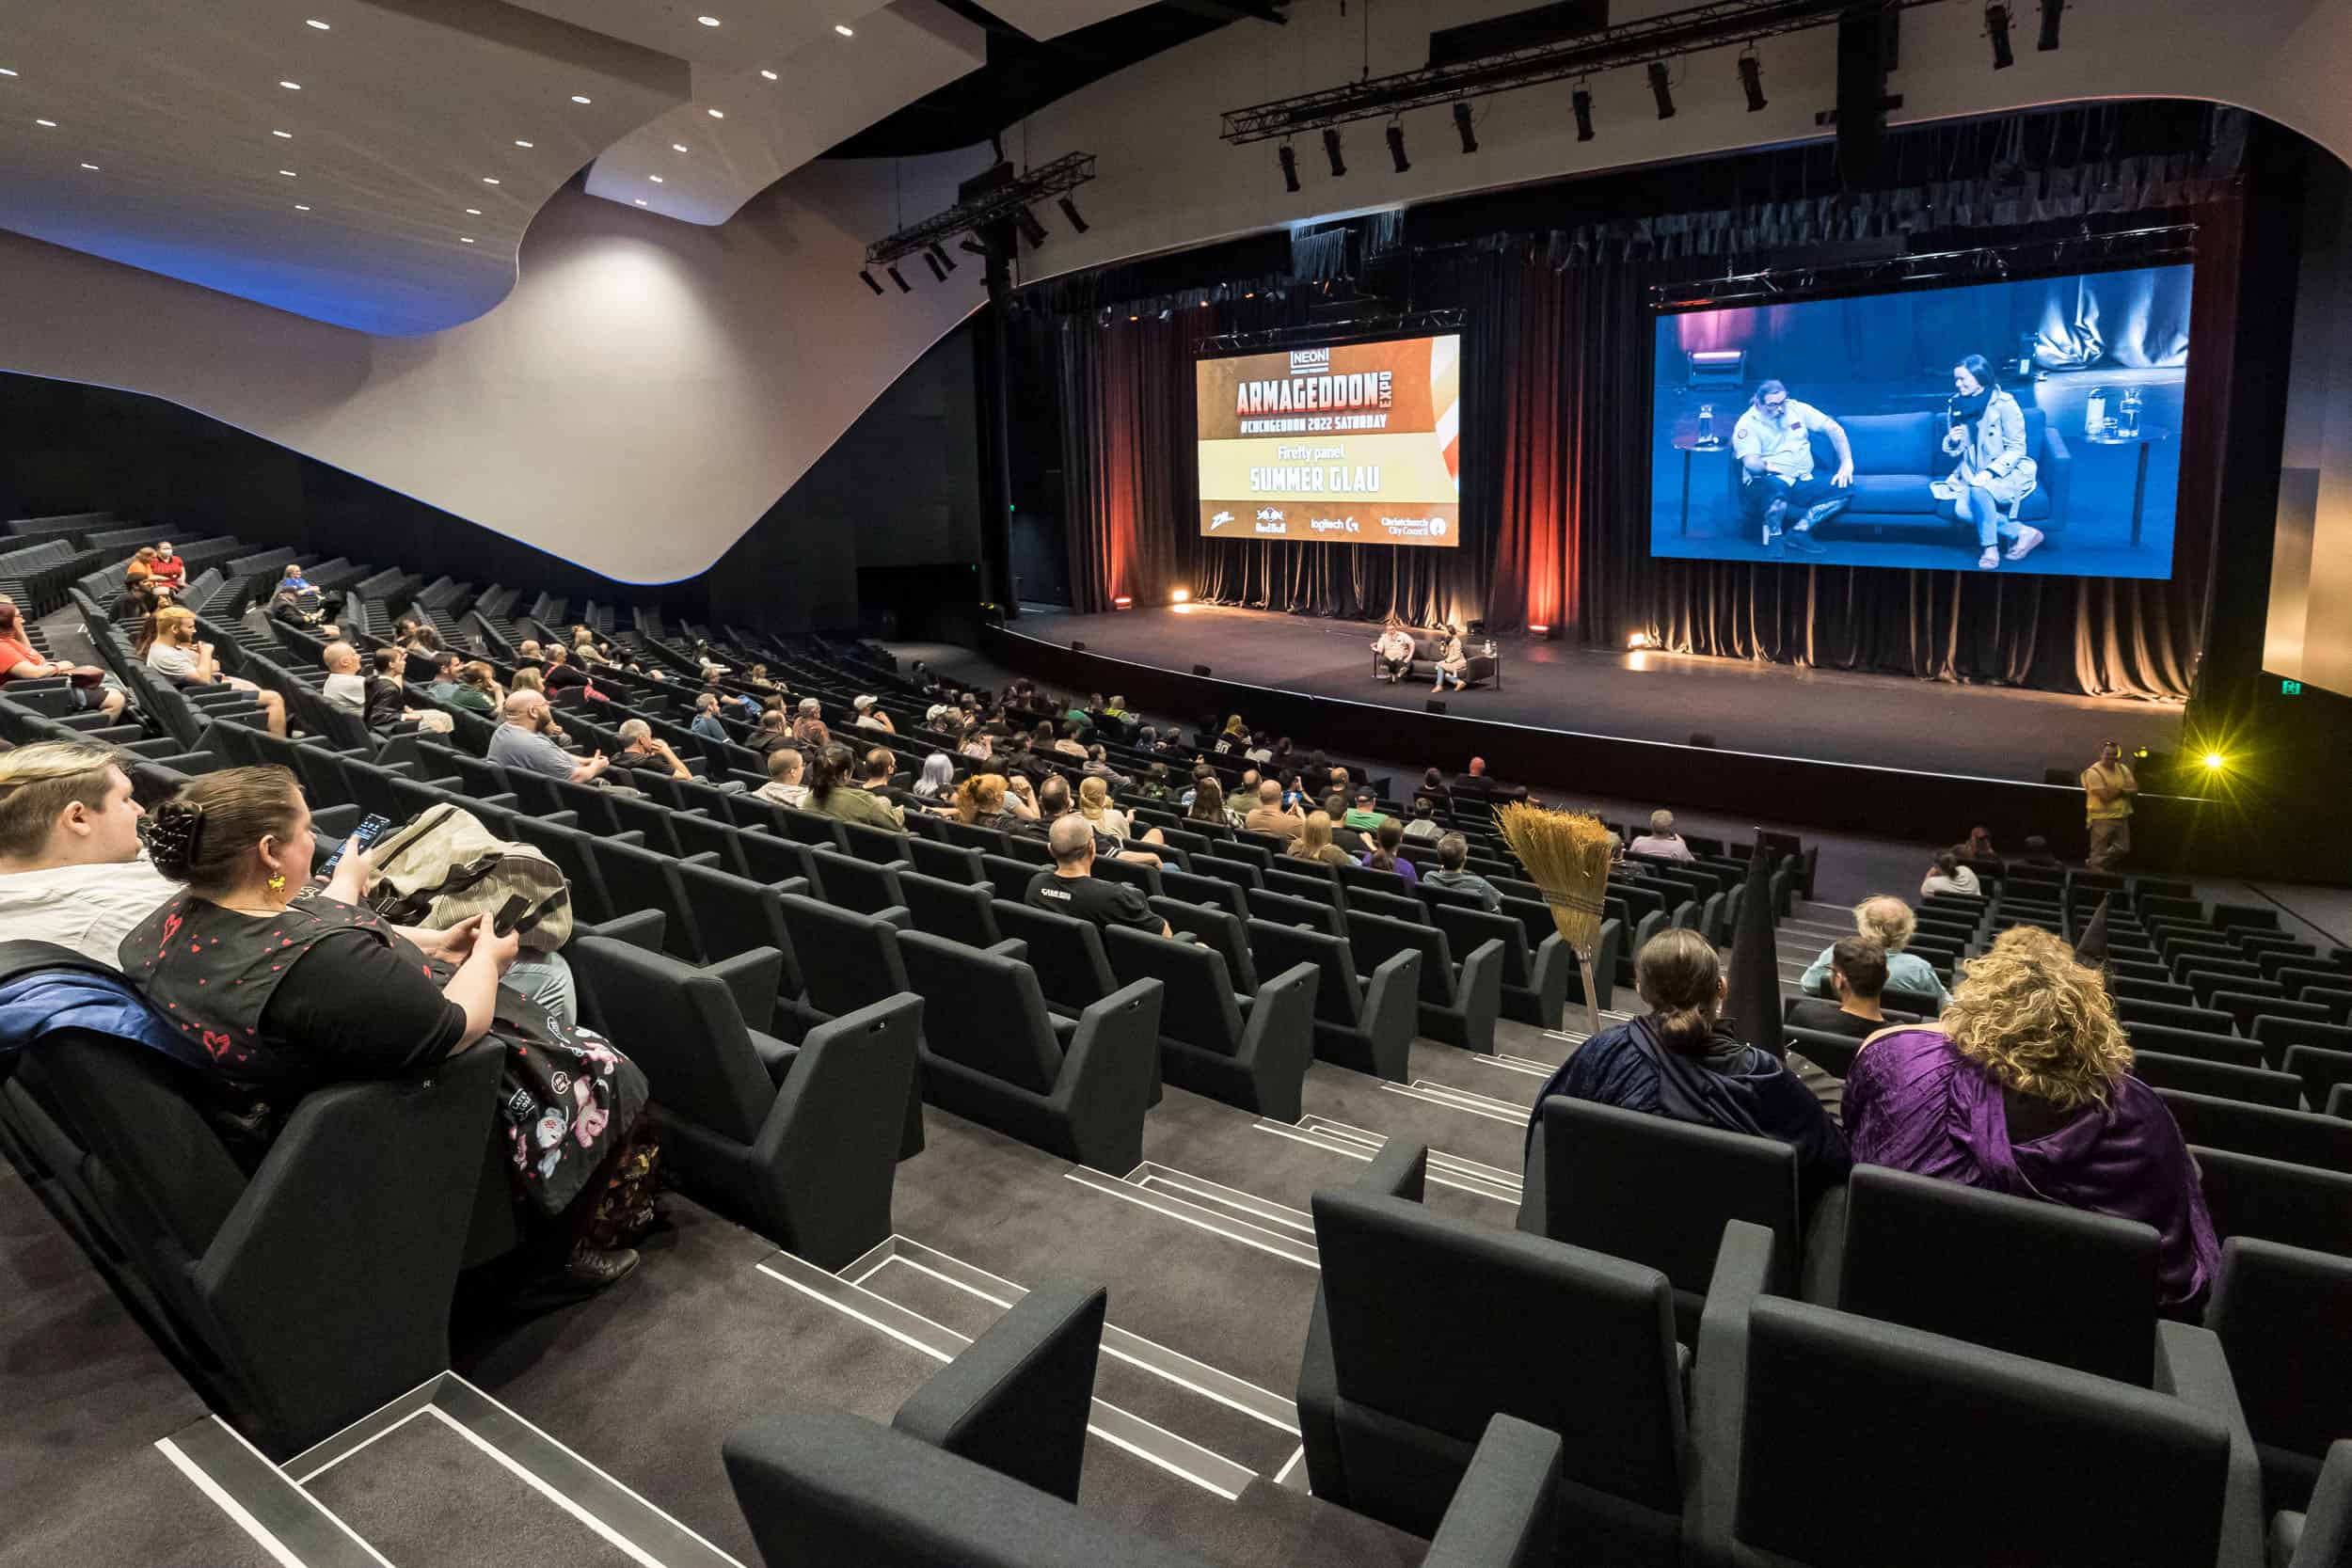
(1220, 519)
(1437, 528)
(1270, 514)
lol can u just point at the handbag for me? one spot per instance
(445, 867)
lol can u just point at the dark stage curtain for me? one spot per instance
(1556, 430)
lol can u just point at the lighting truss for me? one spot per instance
(2159, 246)
(1373, 324)
(1064, 174)
(1713, 25)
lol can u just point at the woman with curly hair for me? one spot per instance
(2025, 1087)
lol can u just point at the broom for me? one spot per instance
(1567, 854)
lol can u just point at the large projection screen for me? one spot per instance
(2059, 454)
(1344, 443)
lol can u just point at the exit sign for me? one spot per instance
(2290, 689)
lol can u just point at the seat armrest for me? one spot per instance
(1108, 1074)
(1718, 1392)
(2190, 1367)
(335, 821)
(643, 928)
(635, 836)
(1479, 989)
(1505, 1510)
(753, 977)
(899, 916)
(1825, 1247)
(1011, 947)
(1391, 1013)
(706, 857)
(1401, 1169)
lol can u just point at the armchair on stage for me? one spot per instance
(1427, 645)
(1897, 456)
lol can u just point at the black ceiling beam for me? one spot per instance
(1231, 10)
(1713, 25)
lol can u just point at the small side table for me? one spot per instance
(1687, 441)
(2145, 438)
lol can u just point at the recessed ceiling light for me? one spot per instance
(6, 71)
(677, 146)
(288, 173)
(464, 239)
(769, 75)
(489, 180)
(287, 135)
(520, 142)
(844, 29)
(300, 208)
(473, 212)
(707, 21)
(291, 87)
(92, 168)
(314, 22)
(641, 201)
(49, 124)
(717, 113)
(580, 98)
(654, 177)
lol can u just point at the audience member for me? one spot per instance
(876, 773)
(1681, 1061)
(71, 868)
(1352, 843)
(1857, 974)
(1071, 887)
(562, 674)
(936, 783)
(1978, 845)
(19, 662)
(299, 604)
(1395, 646)
(642, 751)
(1208, 803)
(1054, 801)
(1234, 740)
(784, 785)
(809, 728)
(1365, 816)
(981, 801)
(1948, 875)
(1270, 816)
(2024, 1085)
(1066, 744)
(1452, 856)
(1662, 840)
(706, 721)
(1425, 828)
(388, 707)
(477, 689)
(768, 736)
(167, 568)
(1098, 765)
(833, 791)
(870, 717)
(444, 686)
(523, 741)
(1382, 856)
(1314, 842)
(170, 649)
(1094, 804)
(345, 687)
(1890, 920)
(1474, 782)
(416, 631)
(316, 989)
(2038, 852)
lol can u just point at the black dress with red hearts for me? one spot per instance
(325, 992)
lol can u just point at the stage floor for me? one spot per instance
(1886, 721)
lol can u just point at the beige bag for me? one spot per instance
(444, 867)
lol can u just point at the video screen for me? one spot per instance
(1997, 427)
(1349, 444)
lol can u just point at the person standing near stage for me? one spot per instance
(1995, 474)
(1773, 442)
(1395, 647)
(2107, 790)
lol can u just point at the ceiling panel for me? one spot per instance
(164, 151)
(1046, 19)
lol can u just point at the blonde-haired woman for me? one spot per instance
(2025, 1087)
(1889, 919)
(1094, 804)
(1313, 842)
(168, 645)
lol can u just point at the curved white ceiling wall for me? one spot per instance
(650, 388)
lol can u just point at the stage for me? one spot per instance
(1767, 710)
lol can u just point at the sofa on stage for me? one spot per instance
(1428, 647)
(1898, 456)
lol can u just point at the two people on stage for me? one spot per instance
(1992, 475)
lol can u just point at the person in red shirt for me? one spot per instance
(167, 567)
(18, 661)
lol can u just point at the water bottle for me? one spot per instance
(2095, 414)
(1706, 424)
(2131, 414)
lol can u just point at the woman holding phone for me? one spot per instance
(1993, 474)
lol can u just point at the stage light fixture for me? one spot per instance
(1122, 602)
(1751, 80)
(1070, 210)
(1639, 639)
(1181, 595)
(2051, 12)
(1331, 151)
(1997, 29)
(1031, 229)
(1397, 147)
(1464, 128)
(2215, 762)
(1661, 89)
(867, 279)
(946, 260)
(974, 247)
(903, 287)
(1582, 102)
(939, 274)
(1288, 157)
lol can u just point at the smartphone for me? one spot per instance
(364, 835)
(510, 914)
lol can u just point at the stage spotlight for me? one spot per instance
(1070, 210)
(1122, 602)
(2215, 762)
(1996, 28)
(1288, 158)
(2051, 11)
(1751, 80)
(1181, 595)
(1662, 90)
(1031, 229)
(946, 260)
(1331, 151)
(974, 247)
(867, 279)
(1582, 102)
(904, 286)
(1397, 147)
(1639, 639)
(939, 274)
(1464, 129)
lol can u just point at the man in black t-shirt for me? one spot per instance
(1857, 972)
(1071, 889)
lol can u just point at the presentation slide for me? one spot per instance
(1349, 444)
(1995, 427)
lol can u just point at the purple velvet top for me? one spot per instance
(1915, 1104)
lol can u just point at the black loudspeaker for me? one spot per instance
(1200, 669)
(1076, 647)
(1432, 706)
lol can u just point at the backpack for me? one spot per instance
(444, 867)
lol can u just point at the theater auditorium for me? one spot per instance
(1225, 784)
